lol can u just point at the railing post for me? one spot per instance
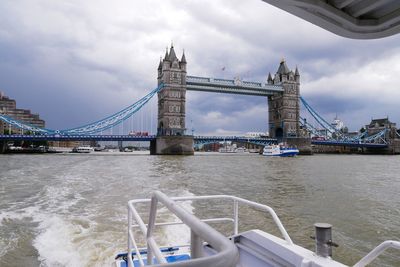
(235, 217)
(195, 245)
(129, 256)
(376, 252)
(150, 228)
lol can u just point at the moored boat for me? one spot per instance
(280, 150)
(241, 150)
(82, 149)
(254, 150)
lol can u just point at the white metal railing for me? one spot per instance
(199, 229)
(376, 252)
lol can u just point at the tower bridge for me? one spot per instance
(282, 91)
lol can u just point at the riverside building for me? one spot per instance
(9, 108)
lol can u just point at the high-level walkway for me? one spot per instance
(205, 84)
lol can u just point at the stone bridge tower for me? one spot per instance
(171, 138)
(284, 108)
(172, 98)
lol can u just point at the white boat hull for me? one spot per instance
(279, 151)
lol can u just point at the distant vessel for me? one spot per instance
(82, 149)
(227, 149)
(280, 151)
(254, 150)
(241, 150)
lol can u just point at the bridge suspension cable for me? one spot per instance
(309, 126)
(113, 119)
(340, 137)
(23, 126)
(320, 120)
(95, 127)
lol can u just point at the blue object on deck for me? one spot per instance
(124, 255)
(171, 258)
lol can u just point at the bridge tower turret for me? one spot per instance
(171, 128)
(284, 108)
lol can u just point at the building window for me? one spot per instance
(175, 94)
(174, 108)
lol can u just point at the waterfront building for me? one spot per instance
(66, 144)
(377, 125)
(8, 107)
(214, 147)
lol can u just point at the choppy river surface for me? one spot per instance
(70, 210)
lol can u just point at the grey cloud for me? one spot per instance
(76, 62)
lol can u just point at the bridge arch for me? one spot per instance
(279, 133)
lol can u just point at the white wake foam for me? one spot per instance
(178, 234)
(54, 242)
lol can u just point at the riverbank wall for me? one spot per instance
(393, 148)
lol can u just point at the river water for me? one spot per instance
(70, 210)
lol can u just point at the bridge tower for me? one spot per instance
(172, 98)
(284, 108)
(171, 138)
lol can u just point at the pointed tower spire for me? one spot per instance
(160, 65)
(297, 75)
(166, 54)
(269, 80)
(183, 59)
(283, 69)
(172, 56)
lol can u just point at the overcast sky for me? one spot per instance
(74, 62)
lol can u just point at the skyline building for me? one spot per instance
(9, 108)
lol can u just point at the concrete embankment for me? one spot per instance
(393, 148)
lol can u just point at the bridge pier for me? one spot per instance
(3, 147)
(394, 146)
(172, 145)
(303, 144)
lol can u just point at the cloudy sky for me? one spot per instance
(75, 62)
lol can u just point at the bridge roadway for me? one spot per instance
(76, 138)
(197, 139)
(201, 139)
